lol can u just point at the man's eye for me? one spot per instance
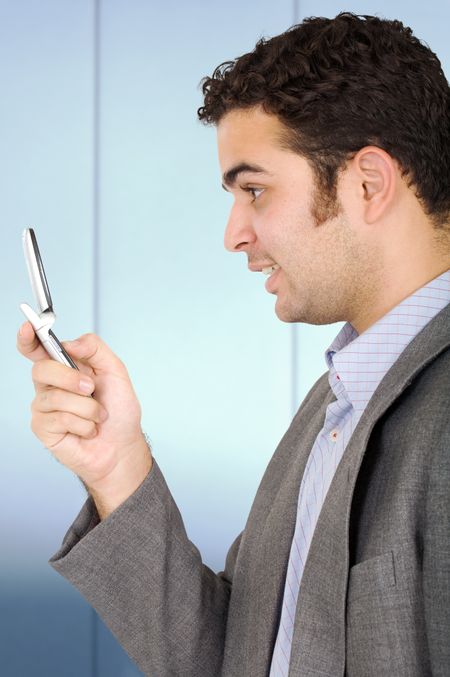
(255, 192)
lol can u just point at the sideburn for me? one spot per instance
(325, 204)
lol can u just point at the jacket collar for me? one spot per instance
(358, 362)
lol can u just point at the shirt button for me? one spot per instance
(333, 435)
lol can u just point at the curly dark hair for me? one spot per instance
(340, 84)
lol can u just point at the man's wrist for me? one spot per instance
(108, 495)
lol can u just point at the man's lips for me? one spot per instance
(271, 282)
(258, 267)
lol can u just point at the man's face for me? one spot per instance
(280, 217)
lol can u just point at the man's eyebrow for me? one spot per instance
(230, 177)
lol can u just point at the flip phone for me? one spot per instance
(44, 318)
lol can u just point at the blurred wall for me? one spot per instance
(103, 155)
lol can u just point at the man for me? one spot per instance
(334, 140)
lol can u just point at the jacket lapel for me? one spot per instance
(270, 551)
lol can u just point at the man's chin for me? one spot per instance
(283, 313)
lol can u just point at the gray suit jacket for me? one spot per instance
(375, 594)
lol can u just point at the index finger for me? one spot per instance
(29, 345)
(52, 374)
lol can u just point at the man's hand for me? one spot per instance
(99, 438)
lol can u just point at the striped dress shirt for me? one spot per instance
(357, 364)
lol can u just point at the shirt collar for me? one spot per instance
(358, 362)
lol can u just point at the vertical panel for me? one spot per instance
(46, 175)
(210, 361)
(430, 23)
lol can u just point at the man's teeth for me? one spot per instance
(270, 270)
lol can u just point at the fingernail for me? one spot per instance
(75, 342)
(86, 386)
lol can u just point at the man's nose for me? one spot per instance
(239, 231)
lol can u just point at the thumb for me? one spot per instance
(92, 350)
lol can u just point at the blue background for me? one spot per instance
(102, 153)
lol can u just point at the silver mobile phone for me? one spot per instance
(44, 319)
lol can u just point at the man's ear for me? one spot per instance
(377, 177)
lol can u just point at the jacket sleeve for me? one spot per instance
(436, 561)
(146, 580)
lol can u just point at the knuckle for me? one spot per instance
(35, 371)
(36, 424)
(65, 419)
(40, 370)
(34, 406)
(53, 419)
(89, 336)
(45, 397)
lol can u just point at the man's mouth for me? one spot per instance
(270, 269)
(273, 273)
